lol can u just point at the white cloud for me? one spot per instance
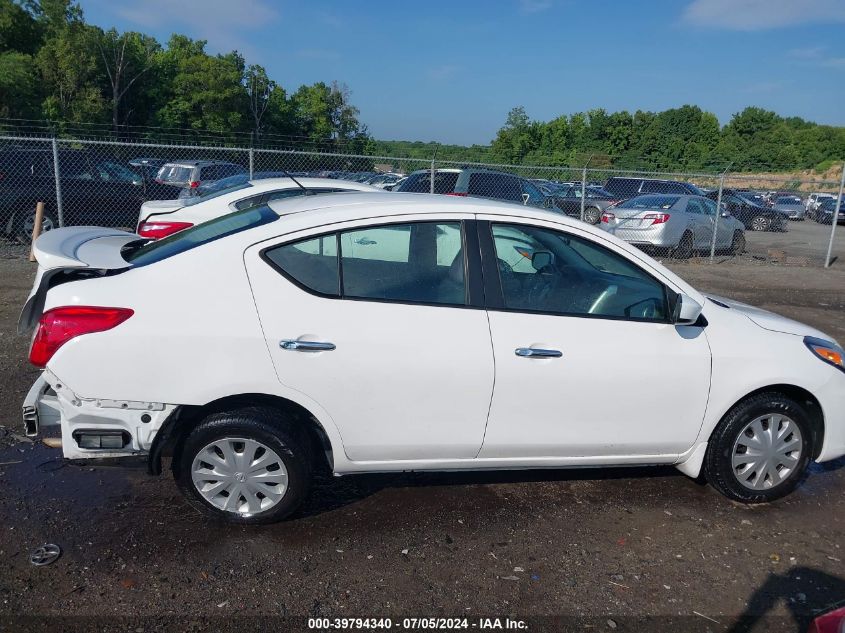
(811, 52)
(534, 6)
(223, 23)
(442, 72)
(834, 62)
(754, 15)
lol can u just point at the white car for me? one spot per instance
(160, 218)
(412, 332)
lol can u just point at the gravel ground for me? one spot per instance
(602, 548)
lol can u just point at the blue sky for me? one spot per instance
(450, 71)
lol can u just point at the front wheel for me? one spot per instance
(246, 466)
(760, 450)
(760, 223)
(738, 243)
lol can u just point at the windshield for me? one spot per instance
(141, 254)
(649, 202)
(214, 192)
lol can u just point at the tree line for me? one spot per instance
(54, 66)
(678, 139)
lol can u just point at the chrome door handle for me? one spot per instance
(306, 346)
(532, 352)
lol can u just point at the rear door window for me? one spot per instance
(444, 182)
(496, 186)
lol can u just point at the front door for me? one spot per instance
(377, 325)
(587, 364)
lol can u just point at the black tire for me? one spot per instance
(738, 243)
(684, 248)
(718, 464)
(592, 215)
(760, 223)
(266, 426)
(26, 220)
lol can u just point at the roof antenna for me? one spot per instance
(298, 184)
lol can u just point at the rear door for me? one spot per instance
(699, 222)
(380, 325)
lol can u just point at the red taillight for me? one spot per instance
(158, 230)
(194, 184)
(57, 326)
(656, 218)
(457, 193)
(607, 217)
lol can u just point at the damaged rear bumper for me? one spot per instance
(92, 427)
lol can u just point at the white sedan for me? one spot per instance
(160, 218)
(412, 332)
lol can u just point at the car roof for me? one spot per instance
(262, 184)
(197, 163)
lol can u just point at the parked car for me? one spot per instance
(147, 167)
(680, 224)
(792, 206)
(814, 200)
(754, 217)
(824, 214)
(161, 218)
(623, 188)
(96, 189)
(190, 174)
(399, 332)
(481, 183)
(384, 181)
(568, 200)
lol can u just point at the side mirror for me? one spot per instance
(541, 259)
(525, 198)
(685, 310)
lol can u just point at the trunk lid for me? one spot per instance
(67, 249)
(151, 207)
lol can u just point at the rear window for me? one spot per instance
(139, 254)
(498, 186)
(174, 173)
(214, 192)
(650, 202)
(444, 182)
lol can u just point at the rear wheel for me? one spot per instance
(592, 215)
(738, 243)
(246, 466)
(684, 248)
(760, 450)
(26, 222)
(760, 223)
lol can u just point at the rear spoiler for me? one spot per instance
(71, 249)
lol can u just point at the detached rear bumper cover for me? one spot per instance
(50, 402)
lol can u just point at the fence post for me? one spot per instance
(584, 186)
(56, 174)
(835, 218)
(431, 178)
(251, 162)
(718, 213)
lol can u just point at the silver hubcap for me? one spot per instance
(29, 224)
(759, 224)
(766, 452)
(240, 475)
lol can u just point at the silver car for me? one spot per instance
(791, 206)
(679, 223)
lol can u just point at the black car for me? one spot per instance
(96, 189)
(824, 214)
(754, 216)
(482, 183)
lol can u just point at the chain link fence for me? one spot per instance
(697, 216)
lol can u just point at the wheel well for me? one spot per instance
(184, 419)
(803, 397)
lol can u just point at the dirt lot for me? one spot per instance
(585, 549)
